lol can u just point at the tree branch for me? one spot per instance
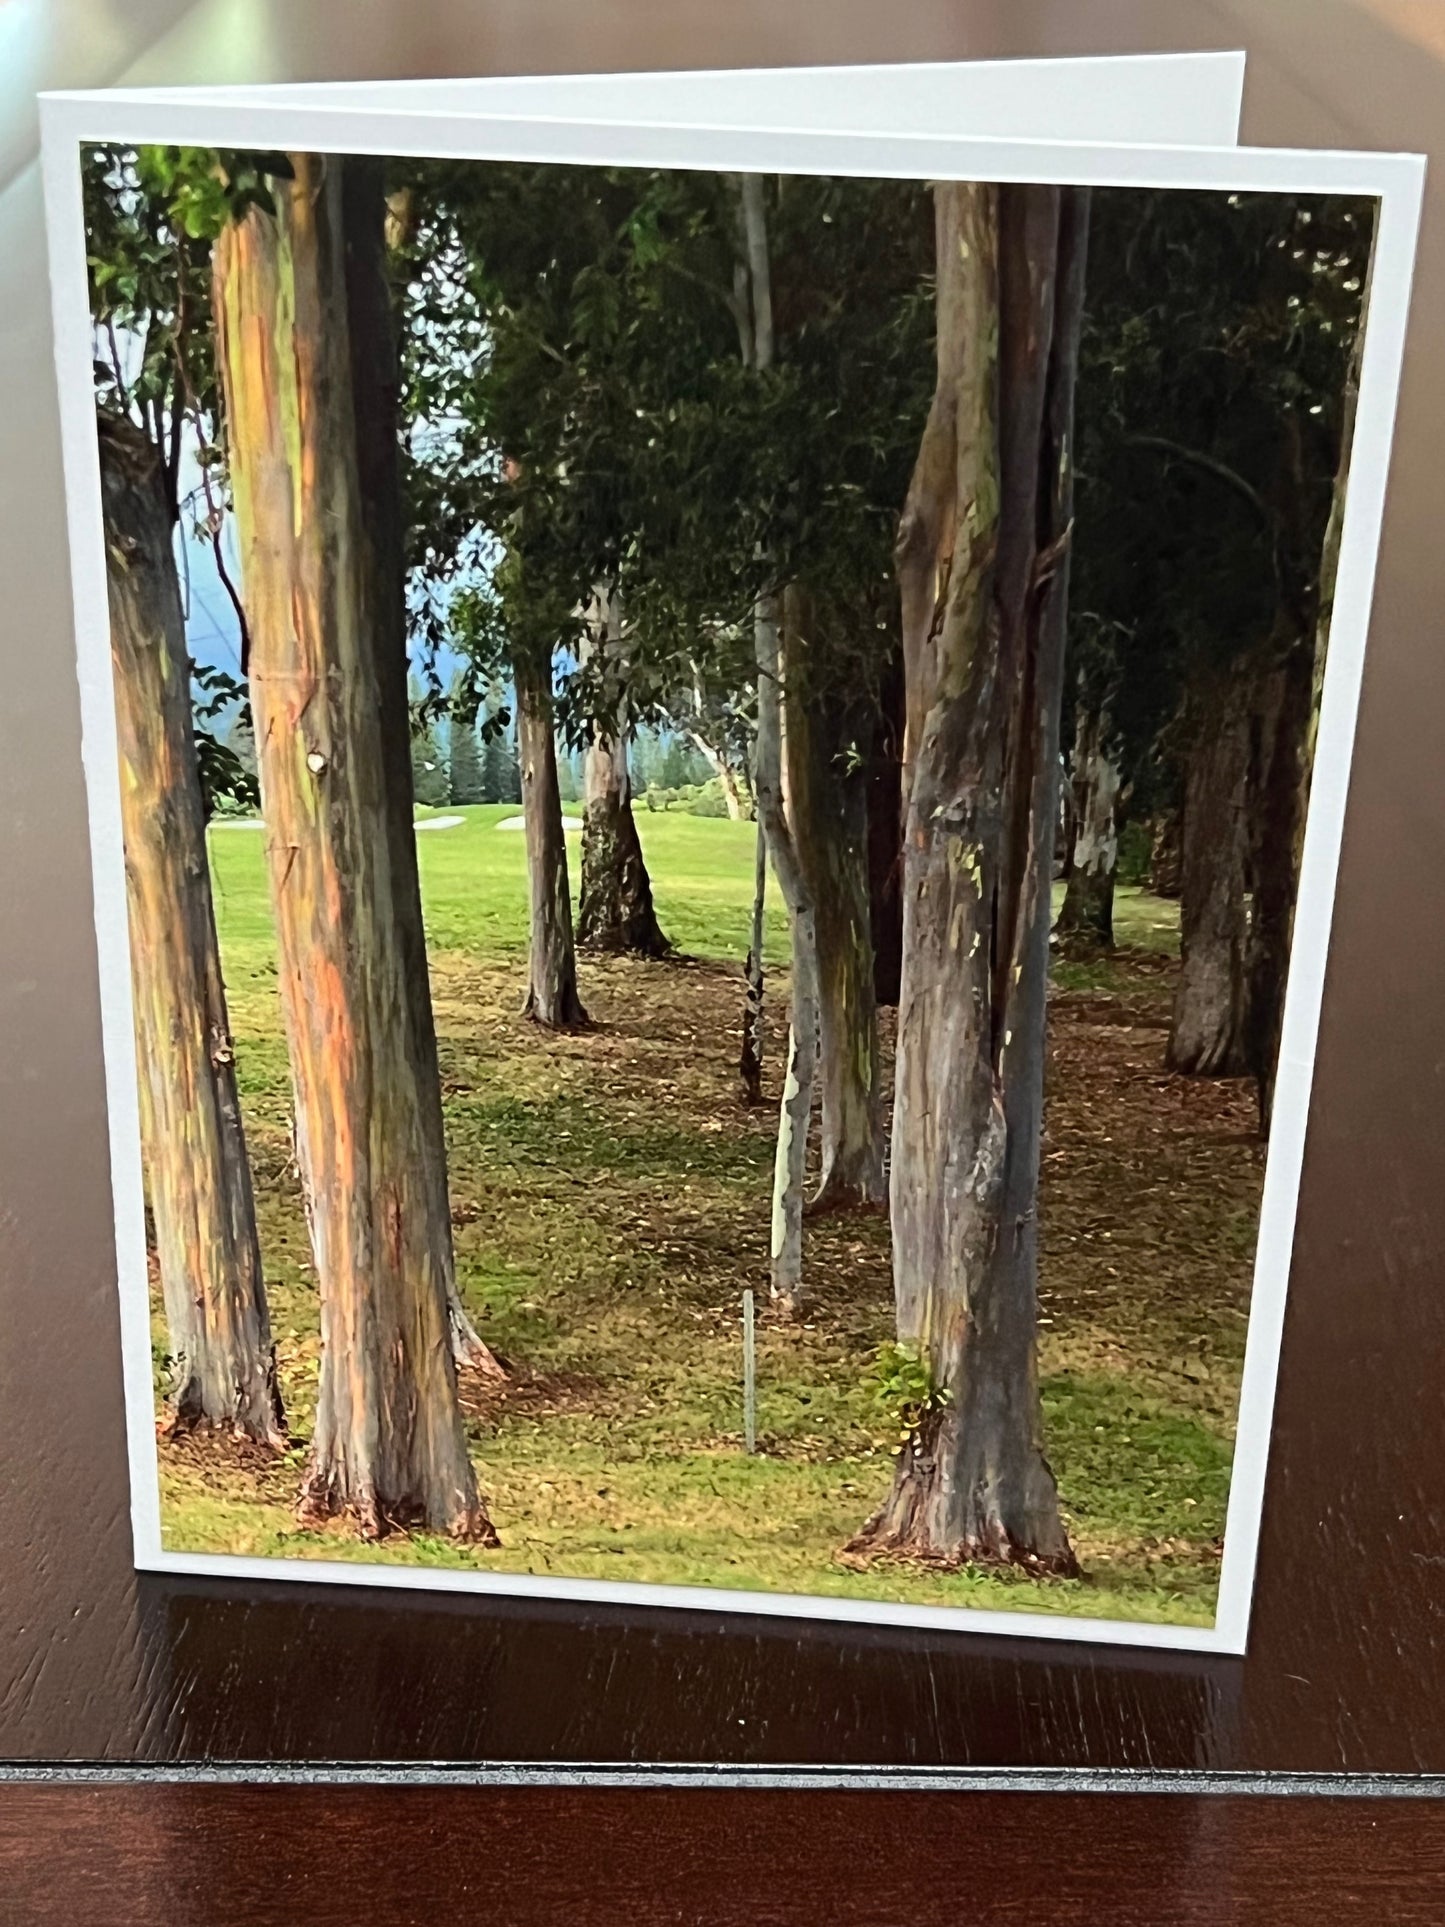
(727, 296)
(1210, 465)
(187, 402)
(120, 387)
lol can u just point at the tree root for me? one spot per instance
(787, 1305)
(470, 1351)
(835, 1198)
(876, 1544)
(319, 1505)
(574, 1023)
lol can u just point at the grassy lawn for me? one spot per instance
(610, 1200)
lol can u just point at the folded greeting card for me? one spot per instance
(717, 715)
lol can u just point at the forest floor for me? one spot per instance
(611, 1200)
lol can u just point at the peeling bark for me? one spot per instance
(1087, 914)
(370, 225)
(1206, 1036)
(197, 1173)
(388, 1447)
(982, 563)
(615, 913)
(553, 999)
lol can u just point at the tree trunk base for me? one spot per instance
(320, 1503)
(1077, 936)
(615, 916)
(1212, 1056)
(1078, 946)
(178, 1424)
(878, 1542)
(750, 1084)
(639, 937)
(788, 1305)
(264, 1425)
(871, 1547)
(839, 1194)
(569, 1016)
(470, 1351)
(928, 1519)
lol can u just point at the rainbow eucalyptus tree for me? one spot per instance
(388, 1446)
(198, 1178)
(149, 215)
(375, 370)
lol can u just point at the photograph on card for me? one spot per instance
(713, 771)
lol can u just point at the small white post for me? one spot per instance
(750, 1377)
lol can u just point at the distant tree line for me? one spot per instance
(458, 759)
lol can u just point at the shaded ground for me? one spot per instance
(611, 1201)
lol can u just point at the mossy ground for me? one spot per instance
(610, 1200)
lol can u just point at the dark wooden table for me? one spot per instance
(132, 1855)
(1344, 1673)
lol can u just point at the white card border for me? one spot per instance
(1183, 97)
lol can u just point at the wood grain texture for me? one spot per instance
(408, 1857)
(1345, 1662)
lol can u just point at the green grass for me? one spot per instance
(610, 1200)
(475, 881)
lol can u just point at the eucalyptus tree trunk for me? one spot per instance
(796, 1109)
(1277, 797)
(732, 777)
(388, 1446)
(1282, 733)
(195, 1151)
(982, 559)
(1166, 853)
(1087, 914)
(726, 775)
(376, 399)
(828, 811)
(850, 1059)
(553, 1000)
(795, 1112)
(1206, 1035)
(615, 912)
(750, 1060)
(885, 837)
